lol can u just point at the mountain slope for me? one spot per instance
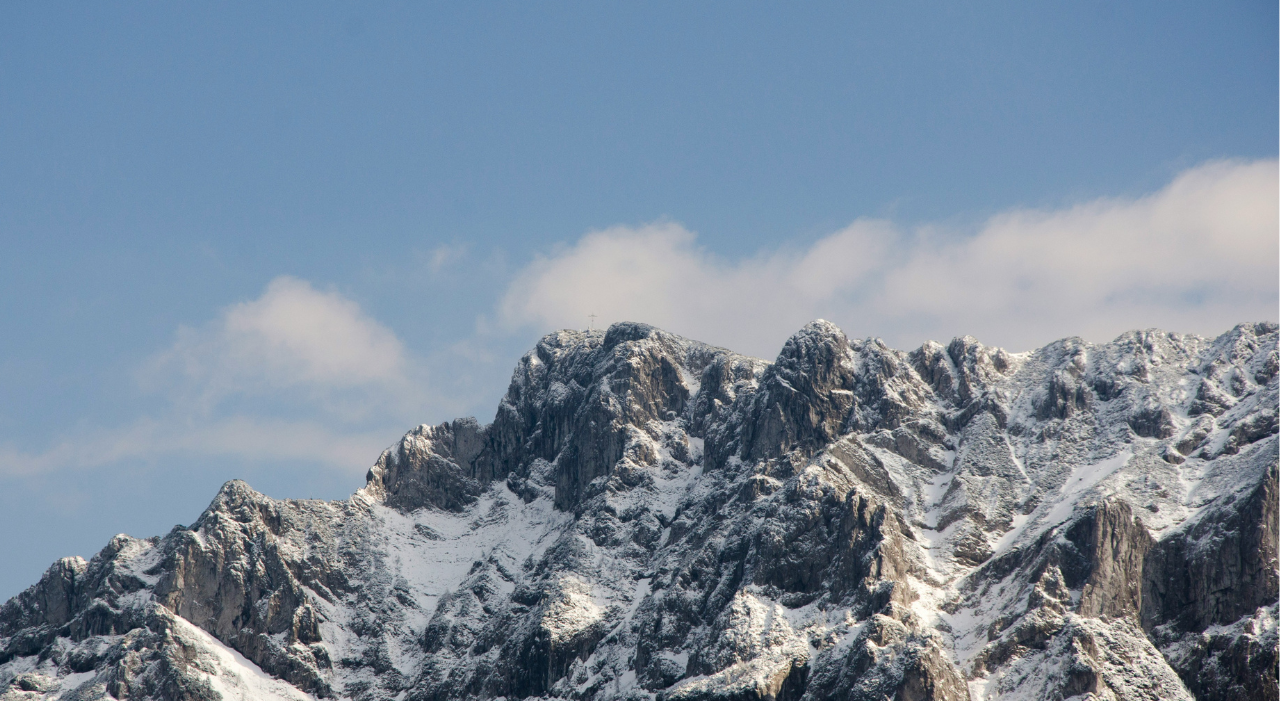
(652, 517)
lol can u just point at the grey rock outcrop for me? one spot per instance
(649, 517)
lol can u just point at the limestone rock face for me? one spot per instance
(432, 465)
(649, 517)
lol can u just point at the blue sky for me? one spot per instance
(196, 201)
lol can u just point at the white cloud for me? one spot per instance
(253, 439)
(295, 334)
(292, 344)
(657, 274)
(1198, 256)
(445, 255)
(301, 374)
(294, 375)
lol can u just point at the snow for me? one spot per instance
(499, 525)
(138, 556)
(978, 689)
(234, 677)
(691, 381)
(1003, 542)
(934, 546)
(933, 492)
(71, 682)
(1083, 479)
(607, 579)
(696, 448)
(572, 612)
(681, 659)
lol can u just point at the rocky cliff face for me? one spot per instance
(649, 517)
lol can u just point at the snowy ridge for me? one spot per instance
(650, 517)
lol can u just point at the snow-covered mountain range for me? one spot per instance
(650, 517)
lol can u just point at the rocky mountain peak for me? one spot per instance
(650, 517)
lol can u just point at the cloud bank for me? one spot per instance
(293, 341)
(1198, 256)
(305, 375)
(295, 375)
(251, 438)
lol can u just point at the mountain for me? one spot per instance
(649, 517)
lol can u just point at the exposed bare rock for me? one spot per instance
(432, 465)
(648, 517)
